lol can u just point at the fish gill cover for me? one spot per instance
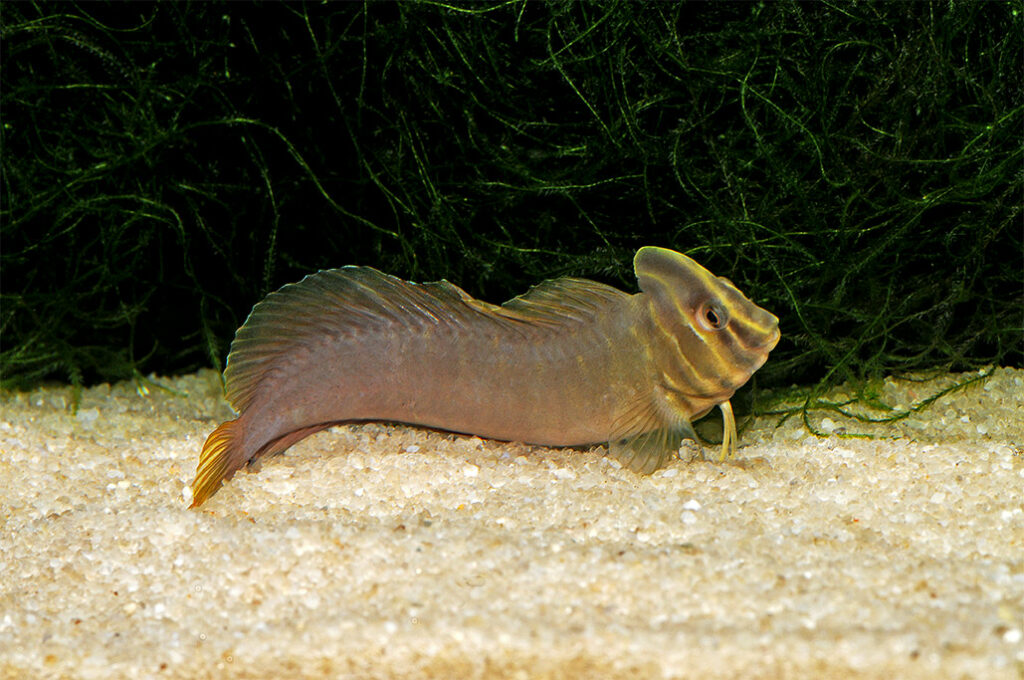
(856, 168)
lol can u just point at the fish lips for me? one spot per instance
(753, 359)
(761, 352)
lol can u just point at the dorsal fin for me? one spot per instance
(330, 303)
(351, 301)
(558, 301)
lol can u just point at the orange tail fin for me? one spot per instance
(221, 456)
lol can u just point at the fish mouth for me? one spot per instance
(748, 362)
(761, 353)
(769, 344)
(758, 357)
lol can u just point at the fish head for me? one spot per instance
(709, 337)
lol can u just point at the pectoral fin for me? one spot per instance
(647, 452)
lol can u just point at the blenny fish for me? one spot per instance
(571, 362)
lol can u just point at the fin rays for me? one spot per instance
(643, 442)
(217, 462)
(359, 300)
(729, 436)
(304, 325)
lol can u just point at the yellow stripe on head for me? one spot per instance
(717, 337)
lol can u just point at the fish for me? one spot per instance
(571, 362)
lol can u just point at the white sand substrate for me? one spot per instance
(384, 551)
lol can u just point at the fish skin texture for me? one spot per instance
(571, 362)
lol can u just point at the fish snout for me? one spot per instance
(768, 345)
(773, 337)
(757, 351)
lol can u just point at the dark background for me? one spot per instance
(855, 168)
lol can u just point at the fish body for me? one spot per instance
(571, 362)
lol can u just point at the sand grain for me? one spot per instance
(381, 551)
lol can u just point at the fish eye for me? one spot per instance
(712, 316)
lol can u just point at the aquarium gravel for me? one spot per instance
(384, 551)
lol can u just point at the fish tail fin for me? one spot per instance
(222, 455)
